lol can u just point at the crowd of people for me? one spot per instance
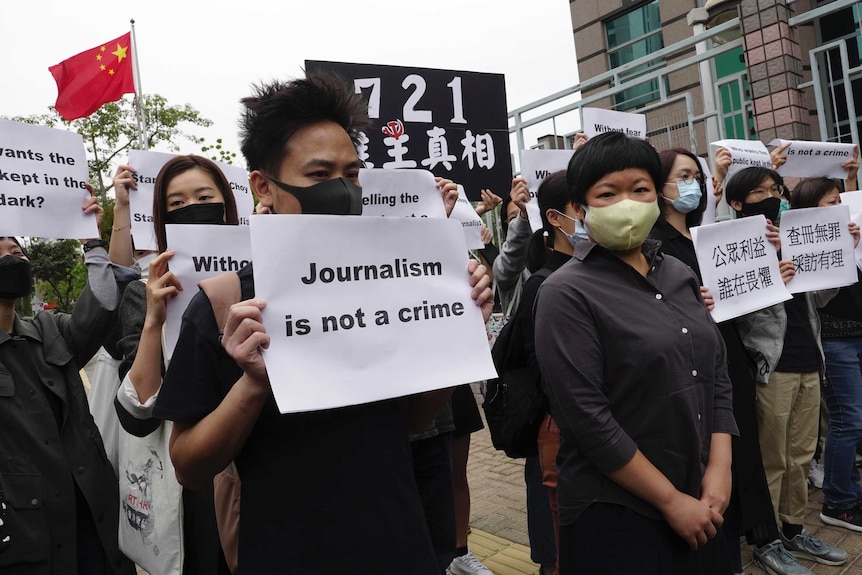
(666, 437)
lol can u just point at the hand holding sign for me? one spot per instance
(244, 338)
(448, 192)
(490, 201)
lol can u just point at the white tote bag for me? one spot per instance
(151, 503)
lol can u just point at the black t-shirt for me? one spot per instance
(800, 353)
(322, 492)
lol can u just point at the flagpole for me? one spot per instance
(139, 93)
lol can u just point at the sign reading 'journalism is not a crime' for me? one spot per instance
(452, 123)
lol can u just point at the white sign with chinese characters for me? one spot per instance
(147, 166)
(739, 266)
(744, 154)
(598, 121)
(388, 317)
(814, 159)
(402, 193)
(43, 172)
(202, 251)
(821, 247)
(536, 165)
(471, 223)
(853, 200)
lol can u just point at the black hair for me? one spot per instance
(809, 192)
(605, 154)
(552, 194)
(667, 158)
(278, 109)
(745, 180)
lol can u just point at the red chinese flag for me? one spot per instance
(94, 77)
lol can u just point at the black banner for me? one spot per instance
(449, 122)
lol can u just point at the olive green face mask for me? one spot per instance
(621, 226)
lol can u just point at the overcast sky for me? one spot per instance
(207, 54)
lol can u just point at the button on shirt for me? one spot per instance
(629, 362)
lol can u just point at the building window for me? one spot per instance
(734, 92)
(844, 25)
(631, 36)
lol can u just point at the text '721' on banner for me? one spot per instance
(43, 172)
(819, 243)
(389, 316)
(739, 266)
(452, 123)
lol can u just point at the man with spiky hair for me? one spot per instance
(322, 492)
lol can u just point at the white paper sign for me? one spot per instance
(739, 266)
(147, 165)
(709, 211)
(404, 193)
(853, 200)
(814, 159)
(391, 315)
(470, 221)
(821, 247)
(744, 154)
(42, 176)
(536, 165)
(202, 251)
(598, 121)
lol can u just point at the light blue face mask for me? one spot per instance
(689, 196)
(580, 232)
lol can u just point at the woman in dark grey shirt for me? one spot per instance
(642, 399)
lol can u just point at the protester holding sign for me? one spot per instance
(750, 510)
(784, 341)
(62, 511)
(335, 475)
(642, 399)
(841, 334)
(509, 274)
(779, 158)
(549, 249)
(188, 189)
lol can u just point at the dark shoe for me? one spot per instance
(847, 518)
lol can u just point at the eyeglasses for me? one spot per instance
(763, 193)
(690, 179)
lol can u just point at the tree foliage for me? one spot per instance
(112, 130)
(58, 270)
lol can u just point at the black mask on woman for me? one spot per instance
(335, 197)
(16, 277)
(770, 207)
(211, 213)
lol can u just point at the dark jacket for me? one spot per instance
(41, 462)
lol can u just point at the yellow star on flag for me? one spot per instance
(120, 53)
(102, 67)
(98, 56)
(102, 49)
(111, 71)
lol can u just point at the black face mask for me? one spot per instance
(335, 197)
(16, 277)
(770, 207)
(211, 213)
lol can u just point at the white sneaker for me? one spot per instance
(815, 475)
(468, 564)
